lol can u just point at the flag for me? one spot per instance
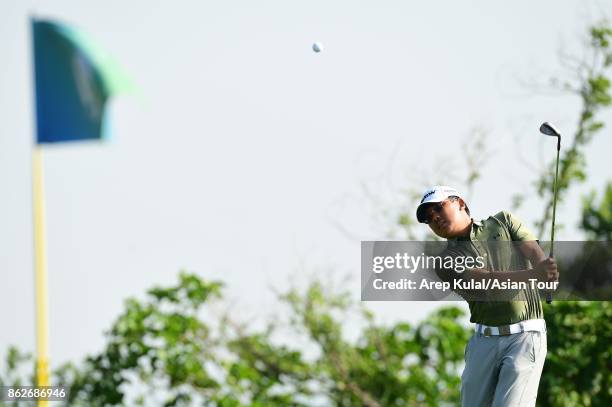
(74, 80)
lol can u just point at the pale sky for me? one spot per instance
(246, 149)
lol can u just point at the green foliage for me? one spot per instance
(15, 360)
(600, 36)
(161, 351)
(597, 219)
(395, 365)
(19, 370)
(181, 362)
(160, 337)
(170, 349)
(578, 368)
(594, 91)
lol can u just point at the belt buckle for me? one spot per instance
(504, 330)
(487, 331)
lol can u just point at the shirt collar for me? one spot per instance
(473, 226)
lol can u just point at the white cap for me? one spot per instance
(437, 193)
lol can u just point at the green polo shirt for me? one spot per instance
(500, 257)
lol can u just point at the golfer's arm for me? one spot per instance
(530, 249)
(533, 252)
(513, 275)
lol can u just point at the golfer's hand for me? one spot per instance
(546, 270)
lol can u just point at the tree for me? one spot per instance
(597, 219)
(592, 86)
(168, 350)
(578, 370)
(171, 349)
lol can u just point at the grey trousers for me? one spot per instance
(503, 370)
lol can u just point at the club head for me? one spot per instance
(549, 130)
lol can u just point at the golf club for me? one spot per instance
(549, 130)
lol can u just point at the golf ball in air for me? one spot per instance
(317, 47)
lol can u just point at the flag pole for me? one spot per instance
(70, 105)
(40, 271)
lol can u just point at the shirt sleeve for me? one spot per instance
(448, 274)
(518, 231)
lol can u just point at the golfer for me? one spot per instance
(505, 355)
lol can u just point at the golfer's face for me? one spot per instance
(443, 218)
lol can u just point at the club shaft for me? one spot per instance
(554, 214)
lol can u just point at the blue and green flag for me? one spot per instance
(74, 80)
